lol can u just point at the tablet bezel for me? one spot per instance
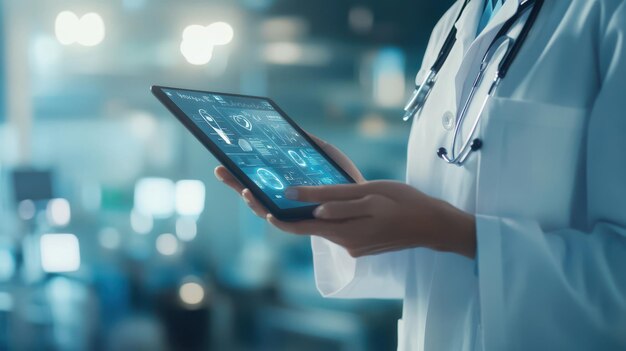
(289, 214)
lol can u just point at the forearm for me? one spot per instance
(456, 231)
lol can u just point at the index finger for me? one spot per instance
(325, 193)
(321, 143)
(326, 229)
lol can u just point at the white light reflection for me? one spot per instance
(220, 33)
(59, 253)
(88, 30)
(65, 27)
(91, 30)
(196, 53)
(190, 195)
(198, 41)
(155, 197)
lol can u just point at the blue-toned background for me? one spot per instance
(114, 235)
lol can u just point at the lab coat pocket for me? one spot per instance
(530, 164)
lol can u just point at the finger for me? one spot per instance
(223, 175)
(254, 204)
(321, 143)
(328, 193)
(364, 207)
(306, 227)
(330, 149)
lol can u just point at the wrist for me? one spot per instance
(457, 232)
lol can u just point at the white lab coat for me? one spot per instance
(548, 190)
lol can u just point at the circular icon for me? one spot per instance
(244, 145)
(270, 179)
(296, 158)
(242, 121)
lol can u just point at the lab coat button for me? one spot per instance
(447, 120)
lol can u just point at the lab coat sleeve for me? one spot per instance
(566, 289)
(339, 275)
(382, 276)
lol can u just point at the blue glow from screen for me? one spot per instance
(258, 140)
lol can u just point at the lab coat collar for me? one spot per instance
(508, 10)
(467, 24)
(468, 20)
(472, 46)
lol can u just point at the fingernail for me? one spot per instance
(319, 212)
(291, 193)
(268, 217)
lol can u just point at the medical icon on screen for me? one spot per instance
(213, 124)
(270, 179)
(242, 121)
(296, 158)
(244, 145)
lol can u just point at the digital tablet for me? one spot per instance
(258, 143)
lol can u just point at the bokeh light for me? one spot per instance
(196, 53)
(91, 30)
(155, 197)
(26, 209)
(191, 294)
(58, 212)
(141, 223)
(109, 238)
(186, 228)
(66, 27)
(190, 195)
(7, 265)
(198, 41)
(167, 244)
(88, 30)
(59, 253)
(220, 33)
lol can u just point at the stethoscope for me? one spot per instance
(420, 95)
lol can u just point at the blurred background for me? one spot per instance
(114, 234)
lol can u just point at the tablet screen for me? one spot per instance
(259, 141)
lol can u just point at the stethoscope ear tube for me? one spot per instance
(511, 55)
(421, 92)
(419, 96)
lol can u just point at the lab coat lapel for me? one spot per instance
(467, 24)
(474, 47)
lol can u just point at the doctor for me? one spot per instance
(522, 245)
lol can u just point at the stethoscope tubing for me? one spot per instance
(421, 93)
